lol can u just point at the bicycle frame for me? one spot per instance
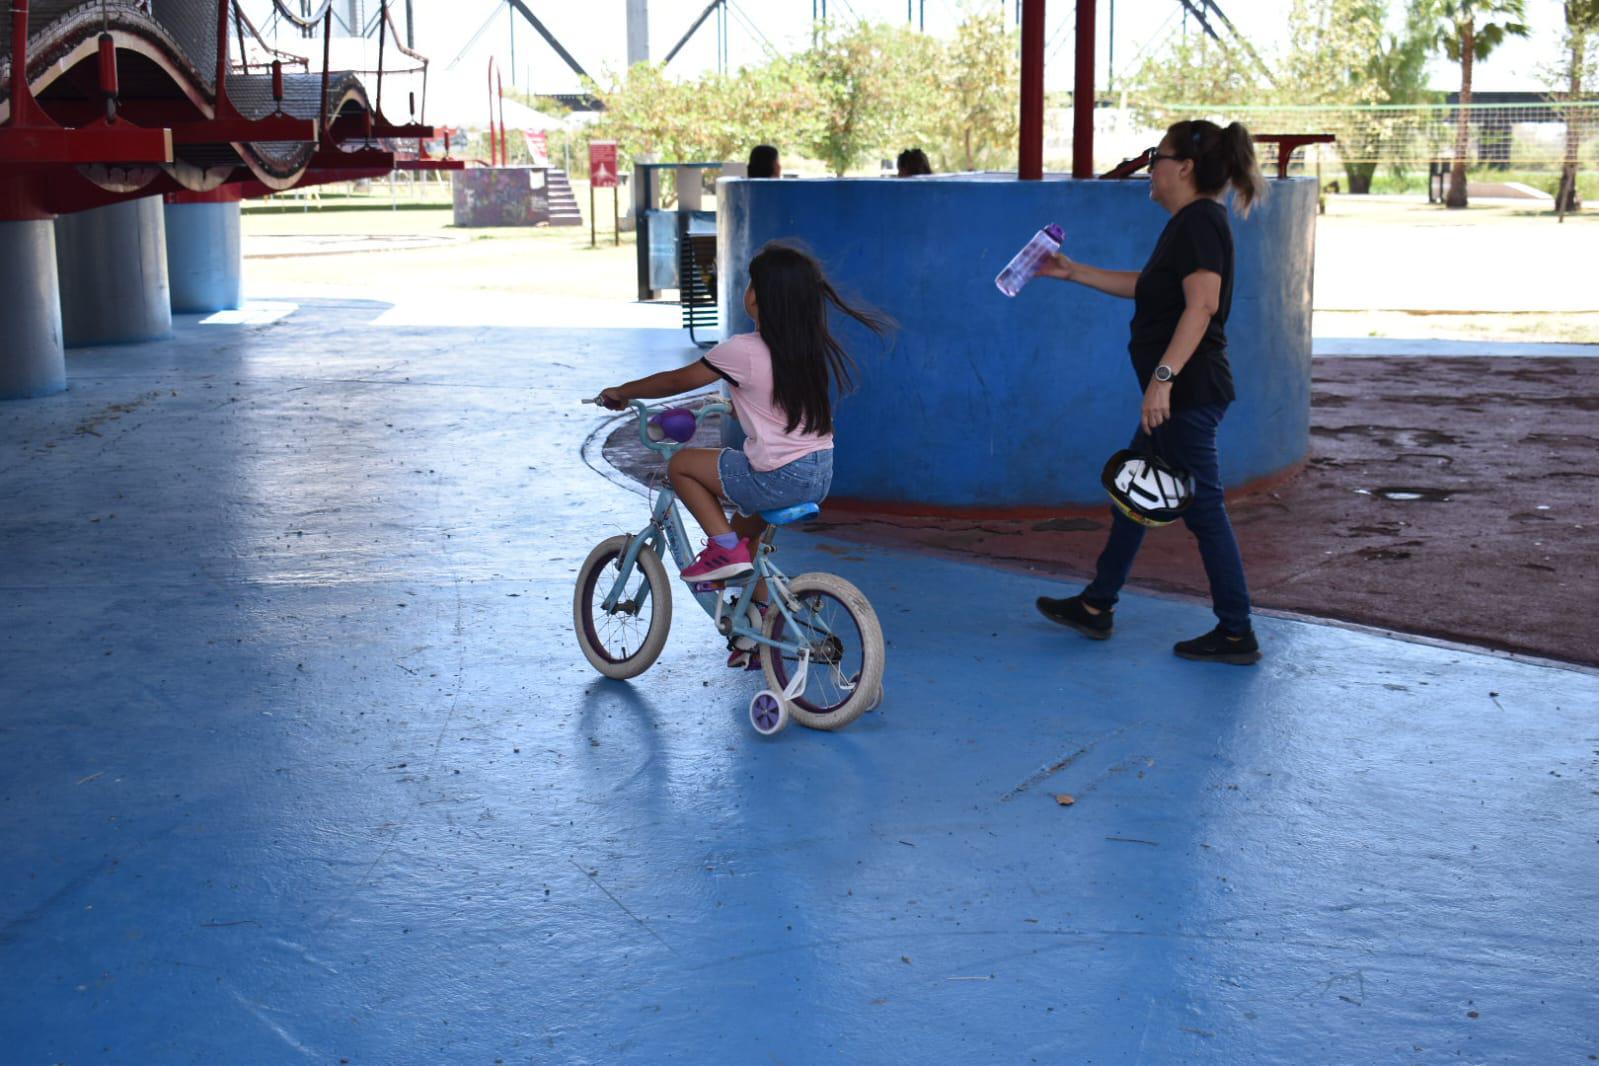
(666, 529)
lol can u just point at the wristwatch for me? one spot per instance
(1164, 373)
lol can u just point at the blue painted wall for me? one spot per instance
(984, 401)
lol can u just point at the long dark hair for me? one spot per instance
(791, 298)
(1221, 157)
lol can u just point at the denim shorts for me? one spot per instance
(805, 480)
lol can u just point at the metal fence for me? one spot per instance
(1534, 136)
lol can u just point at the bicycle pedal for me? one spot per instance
(708, 586)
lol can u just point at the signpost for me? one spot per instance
(602, 175)
(538, 147)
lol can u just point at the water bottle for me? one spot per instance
(1020, 270)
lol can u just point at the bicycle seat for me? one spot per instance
(798, 513)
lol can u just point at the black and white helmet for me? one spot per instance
(1146, 488)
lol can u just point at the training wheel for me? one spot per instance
(877, 699)
(768, 713)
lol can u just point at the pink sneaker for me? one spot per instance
(716, 563)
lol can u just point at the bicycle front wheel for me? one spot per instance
(837, 623)
(626, 641)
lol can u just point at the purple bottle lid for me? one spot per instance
(1056, 234)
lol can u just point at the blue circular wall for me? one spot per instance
(983, 402)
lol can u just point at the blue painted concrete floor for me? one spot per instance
(303, 764)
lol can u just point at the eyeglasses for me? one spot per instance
(1156, 155)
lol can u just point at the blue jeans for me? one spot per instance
(1188, 440)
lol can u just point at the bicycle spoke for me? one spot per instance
(826, 626)
(622, 632)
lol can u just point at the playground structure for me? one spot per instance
(499, 194)
(106, 107)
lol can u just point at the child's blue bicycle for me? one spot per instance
(819, 641)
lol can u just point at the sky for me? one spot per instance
(594, 31)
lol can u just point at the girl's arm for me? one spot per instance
(696, 375)
(1201, 296)
(1114, 282)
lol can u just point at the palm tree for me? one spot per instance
(1582, 24)
(1468, 30)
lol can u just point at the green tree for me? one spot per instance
(1468, 31)
(1168, 83)
(979, 113)
(1581, 43)
(1399, 66)
(1329, 62)
(876, 88)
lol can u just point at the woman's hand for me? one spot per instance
(613, 399)
(1058, 266)
(1157, 406)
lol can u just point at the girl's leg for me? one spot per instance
(698, 484)
(750, 528)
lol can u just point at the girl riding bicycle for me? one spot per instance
(780, 379)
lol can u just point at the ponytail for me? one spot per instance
(1238, 148)
(1221, 157)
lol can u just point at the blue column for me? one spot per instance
(32, 362)
(113, 268)
(204, 260)
(983, 402)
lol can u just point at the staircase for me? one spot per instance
(563, 205)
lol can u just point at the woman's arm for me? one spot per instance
(1201, 298)
(1115, 282)
(696, 375)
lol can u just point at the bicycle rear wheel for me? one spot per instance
(845, 672)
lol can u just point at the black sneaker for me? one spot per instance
(1218, 646)
(1071, 612)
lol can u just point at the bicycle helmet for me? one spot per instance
(1146, 488)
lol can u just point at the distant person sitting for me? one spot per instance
(764, 162)
(913, 163)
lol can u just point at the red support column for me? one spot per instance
(1030, 157)
(1083, 94)
(494, 134)
(224, 107)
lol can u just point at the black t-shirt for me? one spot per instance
(1196, 238)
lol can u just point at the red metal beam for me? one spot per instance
(430, 164)
(98, 143)
(350, 127)
(1083, 94)
(1030, 155)
(24, 109)
(223, 194)
(231, 130)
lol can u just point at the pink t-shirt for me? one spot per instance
(746, 364)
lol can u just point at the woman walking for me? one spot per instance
(1181, 300)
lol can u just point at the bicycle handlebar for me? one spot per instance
(668, 446)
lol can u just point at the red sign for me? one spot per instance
(602, 164)
(538, 147)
